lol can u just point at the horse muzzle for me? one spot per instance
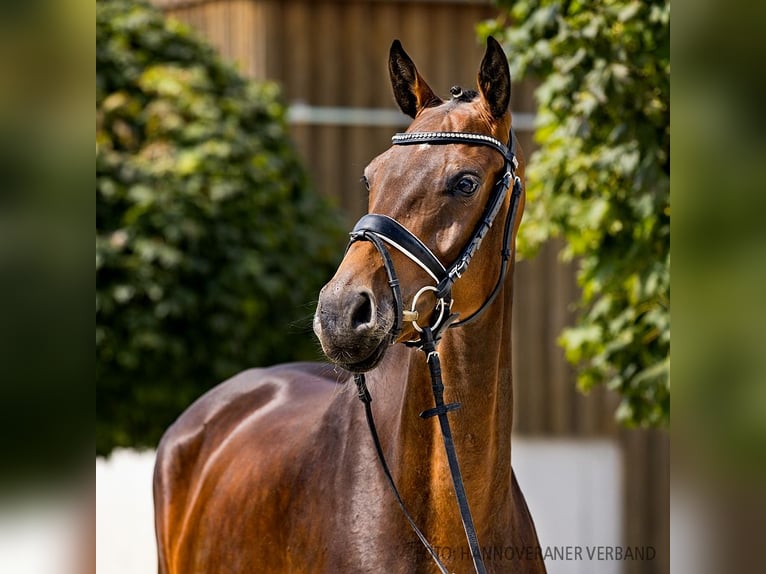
(353, 325)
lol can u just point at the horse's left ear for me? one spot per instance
(495, 79)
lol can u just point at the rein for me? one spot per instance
(381, 230)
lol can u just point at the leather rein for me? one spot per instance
(383, 231)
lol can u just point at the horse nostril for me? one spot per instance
(362, 315)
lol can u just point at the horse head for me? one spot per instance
(428, 193)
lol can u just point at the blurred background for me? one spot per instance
(228, 175)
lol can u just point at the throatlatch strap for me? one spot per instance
(505, 256)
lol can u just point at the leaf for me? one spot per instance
(200, 198)
(599, 179)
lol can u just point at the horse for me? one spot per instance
(274, 470)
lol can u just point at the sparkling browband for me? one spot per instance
(454, 137)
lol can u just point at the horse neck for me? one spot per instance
(476, 367)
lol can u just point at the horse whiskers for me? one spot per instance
(382, 325)
(303, 324)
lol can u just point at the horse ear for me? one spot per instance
(495, 79)
(411, 91)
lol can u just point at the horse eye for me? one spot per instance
(365, 182)
(466, 185)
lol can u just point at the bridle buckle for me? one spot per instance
(410, 316)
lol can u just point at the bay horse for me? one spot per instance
(274, 469)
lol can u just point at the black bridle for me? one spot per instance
(382, 231)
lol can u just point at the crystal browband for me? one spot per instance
(454, 137)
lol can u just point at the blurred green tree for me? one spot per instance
(210, 245)
(600, 180)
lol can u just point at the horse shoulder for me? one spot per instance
(231, 447)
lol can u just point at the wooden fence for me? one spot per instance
(330, 58)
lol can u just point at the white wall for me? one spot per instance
(125, 514)
(573, 490)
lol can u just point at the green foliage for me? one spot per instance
(601, 181)
(210, 247)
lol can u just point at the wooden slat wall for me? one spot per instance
(646, 503)
(334, 53)
(347, 67)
